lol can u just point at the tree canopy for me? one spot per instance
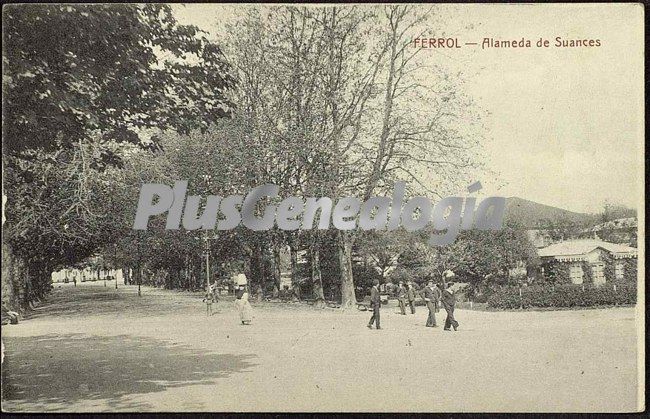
(114, 69)
(100, 99)
(79, 83)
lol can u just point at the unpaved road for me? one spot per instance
(95, 349)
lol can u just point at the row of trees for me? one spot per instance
(81, 84)
(321, 101)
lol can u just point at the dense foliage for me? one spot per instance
(563, 296)
(80, 84)
(114, 69)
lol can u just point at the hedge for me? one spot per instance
(562, 296)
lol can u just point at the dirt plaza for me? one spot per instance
(94, 349)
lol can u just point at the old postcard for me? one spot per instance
(323, 208)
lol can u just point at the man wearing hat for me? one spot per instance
(401, 297)
(431, 296)
(375, 303)
(410, 293)
(449, 301)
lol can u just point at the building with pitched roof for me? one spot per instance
(588, 261)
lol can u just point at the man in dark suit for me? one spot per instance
(410, 293)
(431, 296)
(375, 303)
(401, 297)
(448, 302)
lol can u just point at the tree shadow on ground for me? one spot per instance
(63, 372)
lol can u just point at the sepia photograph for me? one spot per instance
(224, 208)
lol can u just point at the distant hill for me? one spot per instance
(530, 214)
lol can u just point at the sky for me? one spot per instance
(565, 125)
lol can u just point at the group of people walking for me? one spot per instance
(406, 294)
(432, 296)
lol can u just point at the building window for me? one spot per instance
(575, 273)
(598, 274)
(619, 270)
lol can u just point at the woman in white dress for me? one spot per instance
(243, 306)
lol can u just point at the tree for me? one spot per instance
(477, 257)
(612, 212)
(339, 116)
(407, 126)
(384, 249)
(491, 254)
(561, 229)
(285, 89)
(73, 69)
(79, 79)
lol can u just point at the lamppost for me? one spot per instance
(206, 238)
(207, 259)
(115, 266)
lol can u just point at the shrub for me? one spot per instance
(562, 296)
(480, 298)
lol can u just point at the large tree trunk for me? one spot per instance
(344, 250)
(261, 271)
(295, 279)
(275, 264)
(294, 264)
(139, 277)
(184, 274)
(175, 275)
(256, 269)
(188, 273)
(316, 277)
(126, 274)
(14, 279)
